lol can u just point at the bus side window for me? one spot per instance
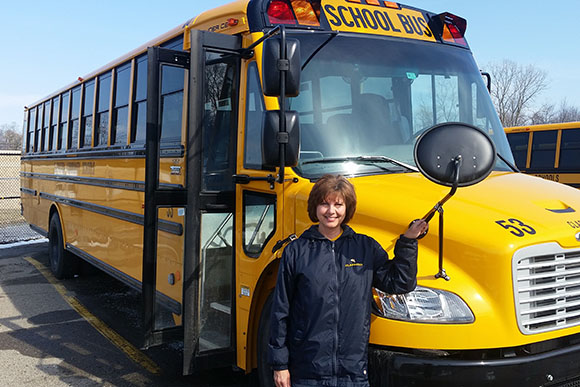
(46, 127)
(24, 148)
(254, 111)
(570, 149)
(63, 130)
(519, 145)
(544, 149)
(171, 103)
(31, 124)
(140, 101)
(121, 105)
(54, 123)
(103, 104)
(87, 120)
(38, 134)
(259, 221)
(73, 141)
(219, 124)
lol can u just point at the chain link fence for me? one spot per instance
(13, 227)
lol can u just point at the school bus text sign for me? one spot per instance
(351, 17)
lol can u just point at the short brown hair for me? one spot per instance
(327, 185)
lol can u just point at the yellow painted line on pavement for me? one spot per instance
(129, 349)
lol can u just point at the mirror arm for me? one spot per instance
(457, 165)
(487, 76)
(282, 136)
(248, 52)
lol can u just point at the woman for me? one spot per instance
(322, 302)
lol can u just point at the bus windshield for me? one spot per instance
(364, 101)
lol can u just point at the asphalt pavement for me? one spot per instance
(80, 332)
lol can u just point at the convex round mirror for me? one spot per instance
(437, 149)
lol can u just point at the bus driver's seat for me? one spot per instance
(375, 124)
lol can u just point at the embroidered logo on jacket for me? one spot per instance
(353, 263)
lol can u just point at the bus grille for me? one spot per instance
(547, 288)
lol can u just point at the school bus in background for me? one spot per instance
(164, 169)
(551, 151)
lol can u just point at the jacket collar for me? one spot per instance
(313, 233)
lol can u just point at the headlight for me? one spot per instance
(423, 305)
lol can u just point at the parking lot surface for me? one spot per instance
(80, 332)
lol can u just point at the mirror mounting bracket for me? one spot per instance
(439, 208)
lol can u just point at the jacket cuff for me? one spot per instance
(279, 367)
(404, 239)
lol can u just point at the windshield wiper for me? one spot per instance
(509, 164)
(363, 159)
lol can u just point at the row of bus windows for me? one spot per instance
(96, 112)
(545, 148)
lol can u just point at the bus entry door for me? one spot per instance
(209, 305)
(166, 195)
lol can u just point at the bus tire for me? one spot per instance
(265, 373)
(62, 263)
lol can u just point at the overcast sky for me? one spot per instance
(47, 45)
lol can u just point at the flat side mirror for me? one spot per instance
(437, 149)
(272, 64)
(272, 138)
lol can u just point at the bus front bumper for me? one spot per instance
(560, 367)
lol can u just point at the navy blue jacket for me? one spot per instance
(322, 303)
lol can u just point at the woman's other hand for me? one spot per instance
(282, 378)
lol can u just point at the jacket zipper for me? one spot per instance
(337, 315)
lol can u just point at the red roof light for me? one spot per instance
(452, 28)
(280, 12)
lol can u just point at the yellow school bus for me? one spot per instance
(183, 168)
(551, 151)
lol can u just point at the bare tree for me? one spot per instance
(10, 137)
(543, 115)
(548, 113)
(567, 113)
(514, 89)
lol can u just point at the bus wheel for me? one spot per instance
(62, 263)
(265, 373)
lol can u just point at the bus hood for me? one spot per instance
(486, 227)
(509, 209)
(484, 224)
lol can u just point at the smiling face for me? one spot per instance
(331, 213)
